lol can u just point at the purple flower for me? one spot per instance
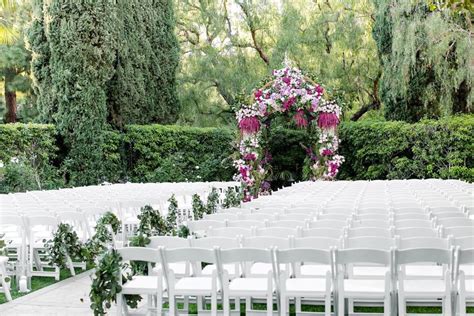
(249, 125)
(326, 152)
(286, 80)
(250, 156)
(327, 120)
(258, 94)
(300, 119)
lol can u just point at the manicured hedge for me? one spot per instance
(27, 154)
(398, 150)
(154, 153)
(174, 153)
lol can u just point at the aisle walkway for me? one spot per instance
(69, 297)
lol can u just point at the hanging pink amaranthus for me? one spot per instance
(327, 120)
(300, 119)
(249, 125)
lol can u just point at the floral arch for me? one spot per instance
(292, 95)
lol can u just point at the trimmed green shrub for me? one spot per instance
(27, 157)
(158, 153)
(398, 150)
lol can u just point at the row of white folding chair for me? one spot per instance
(299, 286)
(260, 216)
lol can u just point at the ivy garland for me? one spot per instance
(106, 225)
(64, 243)
(106, 285)
(232, 198)
(212, 201)
(198, 207)
(172, 216)
(151, 222)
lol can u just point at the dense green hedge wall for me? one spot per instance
(397, 150)
(27, 157)
(154, 153)
(174, 153)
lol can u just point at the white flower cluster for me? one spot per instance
(330, 107)
(247, 111)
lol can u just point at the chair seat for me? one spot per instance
(230, 268)
(314, 269)
(261, 268)
(179, 268)
(306, 286)
(141, 284)
(364, 288)
(424, 288)
(249, 286)
(424, 271)
(195, 286)
(468, 269)
(369, 271)
(469, 288)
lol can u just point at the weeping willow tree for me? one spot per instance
(229, 46)
(427, 58)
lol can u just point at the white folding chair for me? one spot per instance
(15, 238)
(276, 232)
(326, 223)
(248, 285)
(375, 289)
(412, 223)
(180, 269)
(257, 217)
(264, 242)
(222, 217)
(41, 228)
(370, 223)
(197, 284)
(223, 243)
(303, 286)
(454, 222)
(150, 285)
(5, 285)
(201, 227)
(288, 223)
(230, 232)
(246, 224)
(414, 232)
(464, 281)
(410, 289)
(367, 232)
(321, 232)
(295, 217)
(428, 269)
(320, 243)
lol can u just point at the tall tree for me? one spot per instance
(72, 83)
(14, 58)
(143, 88)
(426, 55)
(230, 45)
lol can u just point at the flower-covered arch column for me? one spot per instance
(292, 95)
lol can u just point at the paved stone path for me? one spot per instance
(66, 298)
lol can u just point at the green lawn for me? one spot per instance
(316, 308)
(38, 283)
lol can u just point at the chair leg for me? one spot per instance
(159, 304)
(350, 303)
(186, 303)
(214, 304)
(447, 306)
(119, 304)
(269, 304)
(237, 305)
(340, 303)
(402, 309)
(199, 304)
(283, 304)
(226, 303)
(462, 304)
(298, 305)
(172, 304)
(6, 288)
(386, 305)
(248, 304)
(327, 305)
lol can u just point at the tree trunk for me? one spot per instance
(10, 98)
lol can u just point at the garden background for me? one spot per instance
(88, 82)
